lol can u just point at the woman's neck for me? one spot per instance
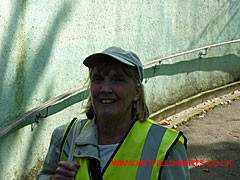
(111, 131)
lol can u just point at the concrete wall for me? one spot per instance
(43, 43)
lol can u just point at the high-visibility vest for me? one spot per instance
(146, 141)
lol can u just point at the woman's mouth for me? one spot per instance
(107, 101)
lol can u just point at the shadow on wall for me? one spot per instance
(7, 42)
(219, 151)
(26, 75)
(233, 14)
(196, 76)
(228, 63)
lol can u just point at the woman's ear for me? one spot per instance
(138, 93)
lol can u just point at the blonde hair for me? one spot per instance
(140, 108)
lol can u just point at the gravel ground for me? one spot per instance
(216, 136)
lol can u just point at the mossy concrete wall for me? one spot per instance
(43, 44)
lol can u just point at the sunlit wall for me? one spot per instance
(43, 44)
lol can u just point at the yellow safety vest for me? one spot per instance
(145, 142)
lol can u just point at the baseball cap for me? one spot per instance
(126, 57)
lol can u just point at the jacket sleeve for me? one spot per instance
(177, 154)
(51, 161)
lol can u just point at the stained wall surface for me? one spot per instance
(43, 44)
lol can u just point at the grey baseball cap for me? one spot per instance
(126, 57)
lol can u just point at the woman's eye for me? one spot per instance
(96, 79)
(118, 79)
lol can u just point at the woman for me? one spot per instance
(117, 129)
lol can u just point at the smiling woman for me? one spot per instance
(117, 128)
(116, 75)
(114, 93)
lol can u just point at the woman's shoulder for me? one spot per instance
(59, 131)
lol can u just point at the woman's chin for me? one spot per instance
(106, 115)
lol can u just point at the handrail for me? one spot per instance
(36, 111)
(190, 51)
(77, 92)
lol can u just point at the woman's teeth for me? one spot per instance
(107, 101)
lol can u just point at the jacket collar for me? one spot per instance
(87, 142)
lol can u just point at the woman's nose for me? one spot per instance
(106, 87)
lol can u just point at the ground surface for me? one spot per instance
(216, 136)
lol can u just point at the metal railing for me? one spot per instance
(191, 51)
(67, 99)
(46, 109)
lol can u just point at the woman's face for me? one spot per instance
(113, 94)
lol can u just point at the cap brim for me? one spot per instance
(90, 60)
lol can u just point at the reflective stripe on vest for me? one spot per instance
(150, 150)
(145, 141)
